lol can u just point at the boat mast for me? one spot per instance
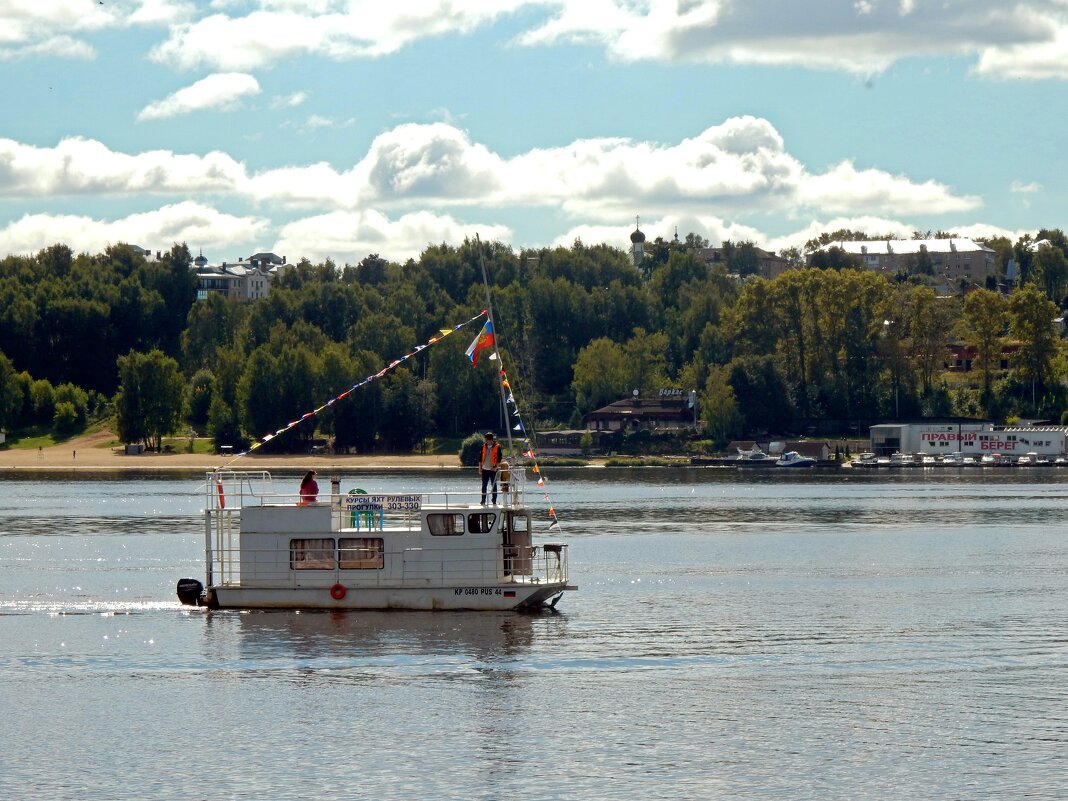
(496, 348)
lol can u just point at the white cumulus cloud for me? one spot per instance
(350, 236)
(221, 92)
(57, 28)
(273, 31)
(79, 166)
(1022, 39)
(739, 168)
(158, 229)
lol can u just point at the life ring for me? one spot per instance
(222, 498)
(337, 592)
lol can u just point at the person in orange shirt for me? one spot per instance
(487, 465)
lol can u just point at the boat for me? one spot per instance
(753, 458)
(865, 459)
(265, 549)
(269, 550)
(795, 459)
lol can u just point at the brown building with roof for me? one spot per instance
(667, 410)
(771, 264)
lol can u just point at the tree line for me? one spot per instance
(114, 334)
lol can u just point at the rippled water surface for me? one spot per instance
(753, 636)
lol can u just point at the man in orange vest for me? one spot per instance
(487, 464)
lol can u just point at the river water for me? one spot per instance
(735, 635)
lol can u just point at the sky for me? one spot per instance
(341, 128)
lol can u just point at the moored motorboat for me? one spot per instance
(793, 459)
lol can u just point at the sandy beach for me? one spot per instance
(93, 452)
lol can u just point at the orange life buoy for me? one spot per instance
(337, 592)
(222, 498)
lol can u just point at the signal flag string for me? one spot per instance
(527, 438)
(444, 332)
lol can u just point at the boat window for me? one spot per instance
(520, 523)
(312, 554)
(445, 525)
(481, 522)
(356, 553)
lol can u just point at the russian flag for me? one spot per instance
(482, 341)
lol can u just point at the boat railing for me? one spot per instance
(232, 489)
(236, 488)
(365, 566)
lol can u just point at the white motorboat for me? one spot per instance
(795, 459)
(755, 455)
(265, 550)
(866, 459)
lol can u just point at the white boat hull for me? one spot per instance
(502, 597)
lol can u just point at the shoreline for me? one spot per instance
(86, 454)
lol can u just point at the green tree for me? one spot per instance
(930, 323)
(760, 393)
(1031, 316)
(646, 360)
(408, 407)
(75, 396)
(200, 396)
(65, 418)
(1023, 255)
(984, 324)
(354, 419)
(834, 259)
(11, 399)
(149, 403)
(212, 324)
(224, 418)
(602, 375)
(42, 399)
(719, 408)
(1049, 270)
